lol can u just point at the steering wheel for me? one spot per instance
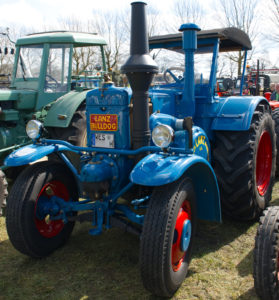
(49, 85)
(174, 74)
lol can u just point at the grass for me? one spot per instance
(106, 266)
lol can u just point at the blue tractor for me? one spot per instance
(155, 160)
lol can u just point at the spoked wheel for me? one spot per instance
(266, 255)
(167, 237)
(34, 220)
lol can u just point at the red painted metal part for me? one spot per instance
(177, 255)
(264, 163)
(51, 228)
(274, 104)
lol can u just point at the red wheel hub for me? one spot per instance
(47, 227)
(178, 254)
(264, 163)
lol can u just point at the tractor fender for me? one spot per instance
(31, 153)
(236, 113)
(159, 169)
(62, 110)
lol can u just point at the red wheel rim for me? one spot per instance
(264, 163)
(177, 254)
(46, 227)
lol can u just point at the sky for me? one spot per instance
(41, 14)
(38, 12)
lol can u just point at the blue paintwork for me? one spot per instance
(186, 235)
(31, 153)
(115, 101)
(189, 45)
(159, 169)
(236, 113)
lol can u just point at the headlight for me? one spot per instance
(34, 129)
(162, 136)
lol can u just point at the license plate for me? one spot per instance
(103, 140)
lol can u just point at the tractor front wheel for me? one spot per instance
(266, 255)
(167, 237)
(32, 219)
(244, 163)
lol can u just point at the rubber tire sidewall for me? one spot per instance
(22, 199)
(157, 237)
(266, 253)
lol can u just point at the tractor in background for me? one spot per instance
(157, 159)
(42, 88)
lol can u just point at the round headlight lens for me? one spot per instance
(162, 136)
(33, 129)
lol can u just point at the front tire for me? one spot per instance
(28, 218)
(167, 237)
(244, 163)
(266, 255)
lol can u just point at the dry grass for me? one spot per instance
(106, 266)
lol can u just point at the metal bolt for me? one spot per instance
(49, 191)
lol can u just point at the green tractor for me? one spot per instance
(43, 88)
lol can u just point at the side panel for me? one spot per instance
(236, 113)
(157, 170)
(63, 109)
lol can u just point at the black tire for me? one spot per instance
(3, 191)
(266, 255)
(275, 116)
(30, 234)
(244, 163)
(163, 262)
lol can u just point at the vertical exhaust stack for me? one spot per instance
(189, 45)
(139, 69)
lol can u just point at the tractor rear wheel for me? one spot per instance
(266, 255)
(167, 237)
(275, 116)
(30, 216)
(244, 163)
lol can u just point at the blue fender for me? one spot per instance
(31, 153)
(159, 169)
(236, 113)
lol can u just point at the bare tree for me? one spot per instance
(186, 11)
(84, 58)
(112, 28)
(240, 14)
(273, 12)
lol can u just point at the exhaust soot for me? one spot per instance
(139, 69)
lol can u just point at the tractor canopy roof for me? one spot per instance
(231, 39)
(79, 39)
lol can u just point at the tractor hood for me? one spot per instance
(25, 99)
